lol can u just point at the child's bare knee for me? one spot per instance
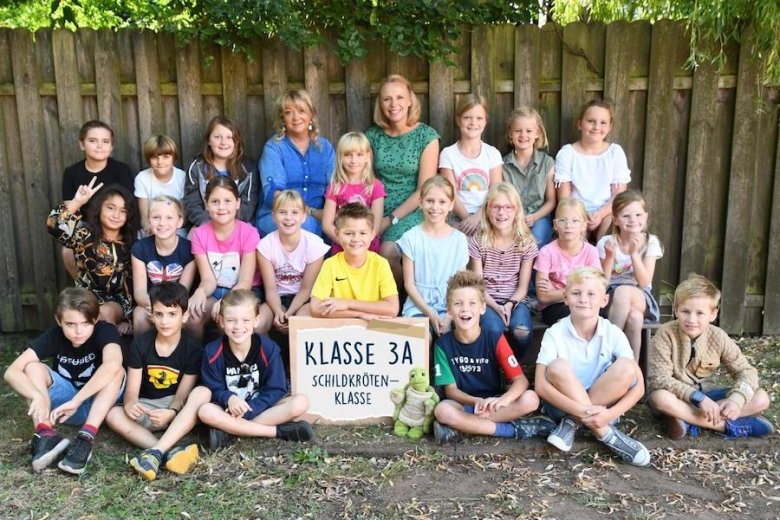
(444, 413)
(529, 400)
(660, 400)
(299, 404)
(557, 371)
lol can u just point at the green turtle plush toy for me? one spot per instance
(414, 405)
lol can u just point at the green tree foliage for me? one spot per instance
(427, 28)
(718, 21)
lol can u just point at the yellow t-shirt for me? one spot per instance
(370, 283)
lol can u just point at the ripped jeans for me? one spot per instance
(520, 329)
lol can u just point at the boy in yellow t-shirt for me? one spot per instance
(355, 283)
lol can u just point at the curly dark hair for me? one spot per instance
(127, 233)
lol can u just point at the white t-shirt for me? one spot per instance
(623, 268)
(588, 359)
(472, 176)
(148, 187)
(289, 265)
(592, 176)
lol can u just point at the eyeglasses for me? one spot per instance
(567, 221)
(496, 208)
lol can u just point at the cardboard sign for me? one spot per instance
(347, 367)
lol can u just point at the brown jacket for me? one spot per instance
(676, 365)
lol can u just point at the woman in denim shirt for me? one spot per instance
(296, 158)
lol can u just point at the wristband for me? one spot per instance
(514, 303)
(174, 410)
(697, 398)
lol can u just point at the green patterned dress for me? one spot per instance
(397, 165)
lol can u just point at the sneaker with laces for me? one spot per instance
(444, 434)
(628, 449)
(754, 426)
(219, 439)
(79, 453)
(45, 450)
(180, 459)
(562, 437)
(146, 463)
(527, 427)
(295, 431)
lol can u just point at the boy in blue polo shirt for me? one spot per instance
(473, 366)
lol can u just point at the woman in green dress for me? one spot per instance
(406, 154)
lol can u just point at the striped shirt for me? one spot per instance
(501, 267)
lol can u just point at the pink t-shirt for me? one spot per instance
(357, 193)
(225, 255)
(557, 265)
(289, 265)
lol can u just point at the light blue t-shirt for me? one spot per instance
(435, 261)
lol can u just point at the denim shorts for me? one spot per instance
(62, 390)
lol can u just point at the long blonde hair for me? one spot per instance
(351, 142)
(522, 233)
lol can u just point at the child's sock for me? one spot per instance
(90, 431)
(45, 430)
(504, 429)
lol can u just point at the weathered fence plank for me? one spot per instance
(107, 86)
(740, 206)
(11, 317)
(662, 186)
(274, 80)
(28, 103)
(771, 323)
(317, 84)
(68, 94)
(234, 87)
(526, 66)
(147, 78)
(442, 102)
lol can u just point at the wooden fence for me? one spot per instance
(703, 145)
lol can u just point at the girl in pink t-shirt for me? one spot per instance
(290, 259)
(558, 258)
(353, 181)
(224, 251)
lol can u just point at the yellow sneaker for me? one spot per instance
(180, 459)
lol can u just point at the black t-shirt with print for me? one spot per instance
(161, 375)
(77, 364)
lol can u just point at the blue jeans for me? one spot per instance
(520, 328)
(542, 231)
(62, 390)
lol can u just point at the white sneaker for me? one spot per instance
(562, 437)
(628, 449)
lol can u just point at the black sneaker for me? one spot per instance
(295, 431)
(147, 463)
(444, 434)
(527, 427)
(46, 450)
(78, 455)
(219, 439)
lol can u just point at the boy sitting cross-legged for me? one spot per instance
(162, 368)
(585, 372)
(82, 384)
(688, 350)
(472, 364)
(244, 373)
(355, 283)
